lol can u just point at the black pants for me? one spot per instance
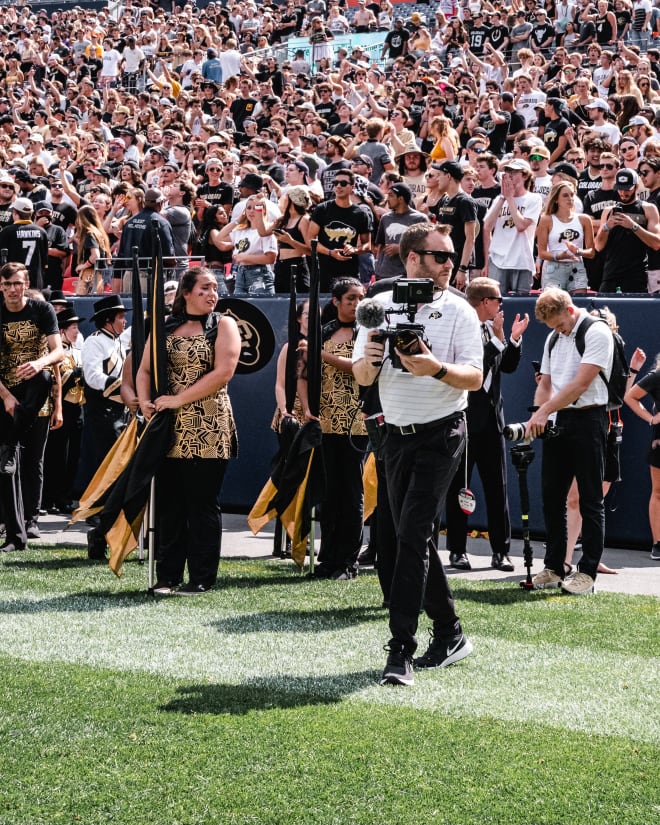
(21, 493)
(101, 428)
(419, 469)
(342, 509)
(189, 520)
(62, 455)
(578, 451)
(283, 275)
(486, 450)
(383, 533)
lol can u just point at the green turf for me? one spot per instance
(259, 704)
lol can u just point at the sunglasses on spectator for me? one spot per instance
(645, 172)
(608, 166)
(629, 148)
(342, 183)
(538, 157)
(438, 256)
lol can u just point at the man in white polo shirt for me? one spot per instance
(423, 408)
(572, 385)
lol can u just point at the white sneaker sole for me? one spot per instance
(392, 679)
(588, 592)
(456, 656)
(546, 585)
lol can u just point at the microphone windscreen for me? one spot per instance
(370, 314)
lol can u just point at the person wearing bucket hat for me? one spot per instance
(63, 446)
(628, 231)
(103, 356)
(31, 347)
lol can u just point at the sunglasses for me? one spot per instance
(478, 151)
(342, 183)
(213, 169)
(497, 298)
(537, 157)
(228, 163)
(608, 166)
(438, 257)
(629, 148)
(645, 173)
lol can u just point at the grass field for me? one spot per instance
(259, 703)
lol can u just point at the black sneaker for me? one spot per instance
(398, 668)
(192, 589)
(33, 531)
(655, 551)
(459, 561)
(444, 652)
(500, 561)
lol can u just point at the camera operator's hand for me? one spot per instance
(425, 363)
(536, 424)
(374, 351)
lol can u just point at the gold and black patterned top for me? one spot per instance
(339, 395)
(204, 428)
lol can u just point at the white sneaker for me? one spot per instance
(578, 584)
(546, 578)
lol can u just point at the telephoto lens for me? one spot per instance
(514, 432)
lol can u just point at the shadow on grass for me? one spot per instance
(299, 621)
(89, 601)
(68, 563)
(264, 694)
(510, 592)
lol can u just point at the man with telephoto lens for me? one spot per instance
(572, 385)
(423, 406)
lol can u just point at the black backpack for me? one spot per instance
(616, 386)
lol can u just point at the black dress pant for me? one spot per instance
(419, 469)
(578, 451)
(486, 450)
(21, 493)
(189, 520)
(342, 509)
(62, 456)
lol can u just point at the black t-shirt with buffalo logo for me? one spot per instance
(338, 226)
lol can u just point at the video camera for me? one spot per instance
(406, 337)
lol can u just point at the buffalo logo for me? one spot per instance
(257, 336)
(435, 314)
(569, 235)
(340, 232)
(243, 245)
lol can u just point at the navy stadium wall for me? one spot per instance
(627, 517)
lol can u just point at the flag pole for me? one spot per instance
(314, 339)
(137, 348)
(158, 375)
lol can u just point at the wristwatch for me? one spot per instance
(440, 374)
(635, 227)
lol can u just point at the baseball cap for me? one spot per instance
(564, 168)
(402, 191)
(154, 196)
(638, 120)
(626, 180)
(517, 165)
(252, 181)
(541, 151)
(23, 206)
(450, 167)
(598, 103)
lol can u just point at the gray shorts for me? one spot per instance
(511, 280)
(570, 275)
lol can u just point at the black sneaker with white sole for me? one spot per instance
(655, 551)
(444, 652)
(398, 668)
